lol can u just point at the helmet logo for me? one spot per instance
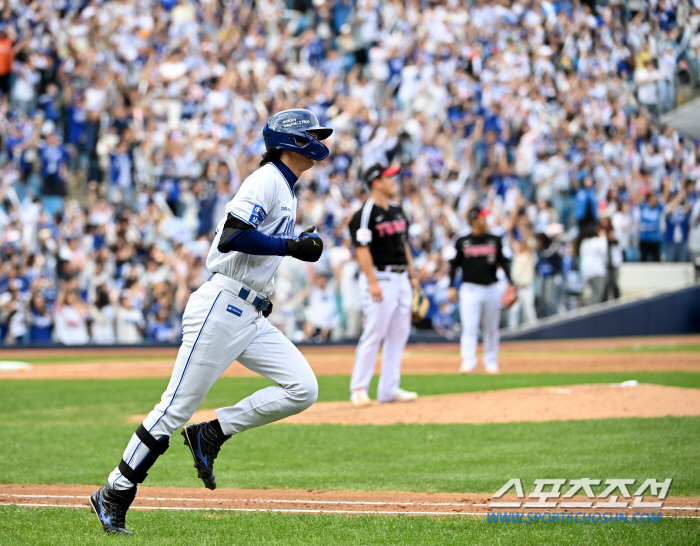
(290, 122)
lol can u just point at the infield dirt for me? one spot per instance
(344, 502)
(515, 357)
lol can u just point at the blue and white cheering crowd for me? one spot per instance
(127, 125)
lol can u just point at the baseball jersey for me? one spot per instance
(478, 256)
(383, 231)
(266, 201)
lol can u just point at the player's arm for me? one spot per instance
(247, 211)
(243, 237)
(412, 275)
(361, 239)
(366, 263)
(454, 266)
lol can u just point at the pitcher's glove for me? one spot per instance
(509, 297)
(307, 247)
(420, 305)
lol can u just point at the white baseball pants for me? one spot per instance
(387, 324)
(479, 303)
(218, 328)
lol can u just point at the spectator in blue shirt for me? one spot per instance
(54, 165)
(121, 166)
(585, 208)
(50, 103)
(161, 329)
(650, 228)
(549, 275)
(41, 320)
(677, 227)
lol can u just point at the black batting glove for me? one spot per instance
(308, 247)
(266, 312)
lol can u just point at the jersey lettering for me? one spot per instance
(391, 227)
(285, 228)
(383, 231)
(257, 216)
(473, 251)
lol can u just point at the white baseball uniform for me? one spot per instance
(221, 324)
(479, 256)
(387, 323)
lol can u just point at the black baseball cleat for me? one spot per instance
(204, 442)
(110, 506)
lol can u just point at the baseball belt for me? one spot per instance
(257, 300)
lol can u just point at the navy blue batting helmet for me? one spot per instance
(289, 130)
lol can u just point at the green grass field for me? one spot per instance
(73, 432)
(73, 526)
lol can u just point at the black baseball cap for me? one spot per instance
(377, 170)
(476, 211)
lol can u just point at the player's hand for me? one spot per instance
(375, 291)
(414, 281)
(307, 247)
(308, 232)
(452, 294)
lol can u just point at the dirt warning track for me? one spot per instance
(327, 502)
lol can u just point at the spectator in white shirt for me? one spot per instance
(70, 320)
(129, 321)
(322, 310)
(648, 79)
(593, 254)
(102, 316)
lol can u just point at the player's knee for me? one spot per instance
(305, 392)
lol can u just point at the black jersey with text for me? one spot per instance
(384, 231)
(478, 256)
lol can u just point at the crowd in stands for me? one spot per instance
(127, 125)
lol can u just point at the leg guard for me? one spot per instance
(138, 474)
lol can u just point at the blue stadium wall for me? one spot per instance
(670, 313)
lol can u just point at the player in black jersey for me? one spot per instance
(478, 255)
(379, 232)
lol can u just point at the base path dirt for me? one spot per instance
(505, 406)
(305, 501)
(515, 357)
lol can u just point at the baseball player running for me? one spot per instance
(378, 232)
(478, 255)
(226, 320)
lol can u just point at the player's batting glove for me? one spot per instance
(308, 232)
(307, 247)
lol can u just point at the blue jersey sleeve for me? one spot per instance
(251, 241)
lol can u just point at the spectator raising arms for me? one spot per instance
(127, 126)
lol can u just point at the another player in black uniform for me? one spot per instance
(478, 255)
(379, 232)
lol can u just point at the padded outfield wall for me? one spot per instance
(676, 312)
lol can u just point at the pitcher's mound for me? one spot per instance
(506, 406)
